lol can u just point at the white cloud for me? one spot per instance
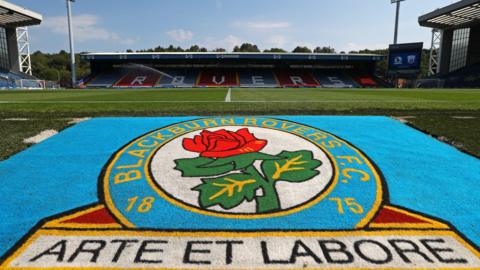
(228, 42)
(180, 35)
(86, 28)
(262, 25)
(352, 46)
(277, 41)
(231, 41)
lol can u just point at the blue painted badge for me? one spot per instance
(241, 173)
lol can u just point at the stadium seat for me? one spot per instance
(468, 77)
(131, 77)
(214, 78)
(6, 84)
(5, 81)
(107, 79)
(257, 78)
(334, 79)
(139, 78)
(178, 78)
(14, 80)
(296, 78)
(366, 80)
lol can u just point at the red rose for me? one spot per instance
(223, 143)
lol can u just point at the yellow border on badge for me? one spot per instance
(362, 223)
(200, 234)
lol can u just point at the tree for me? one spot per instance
(56, 67)
(196, 48)
(275, 50)
(171, 48)
(381, 65)
(246, 47)
(324, 50)
(219, 50)
(300, 49)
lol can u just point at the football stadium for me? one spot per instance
(230, 154)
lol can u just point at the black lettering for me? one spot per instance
(189, 250)
(388, 255)
(306, 253)
(144, 249)
(229, 249)
(62, 244)
(340, 248)
(266, 257)
(437, 250)
(95, 251)
(123, 245)
(413, 248)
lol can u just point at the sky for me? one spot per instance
(117, 25)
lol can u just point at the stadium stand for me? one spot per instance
(6, 82)
(295, 78)
(468, 77)
(366, 80)
(213, 78)
(178, 78)
(14, 80)
(15, 61)
(335, 79)
(232, 69)
(108, 78)
(455, 51)
(139, 78)
(257, 78)
(171, 78)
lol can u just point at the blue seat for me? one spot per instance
(178, 78)
(468, 77)
(334, 79)
(257, 78)
(107, 79)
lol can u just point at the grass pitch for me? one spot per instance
(453, 114)
(242, 100)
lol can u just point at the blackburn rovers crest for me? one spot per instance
(242, 193)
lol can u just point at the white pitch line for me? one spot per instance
(228, 97)
(40, 137)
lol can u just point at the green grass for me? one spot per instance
(463, 133)
(259, 101)
(433, 109)
(12, 133)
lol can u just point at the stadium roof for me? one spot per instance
(14, 16)
(245, 56)
(461, 14)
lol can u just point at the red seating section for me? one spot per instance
(293, 78)
(236, 77)
(366, 81)
(138, 78)
(218, 78)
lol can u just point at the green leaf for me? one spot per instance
(194, 167)
(242, 161)
(227, 191)
(296, 166)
